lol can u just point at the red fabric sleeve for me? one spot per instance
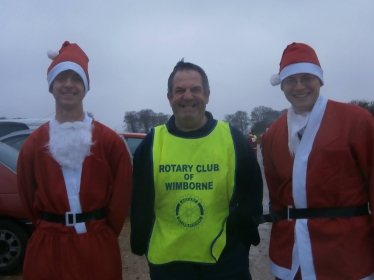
(26, 182)
(363, 147)
(119, 201)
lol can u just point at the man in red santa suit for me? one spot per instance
(318, 160)
(75, 183)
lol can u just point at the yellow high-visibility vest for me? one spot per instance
(194, 181)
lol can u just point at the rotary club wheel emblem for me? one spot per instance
(190, 212)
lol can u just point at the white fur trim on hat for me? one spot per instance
(275, 79)
(68, 65)
(303, 67)
(52, 54)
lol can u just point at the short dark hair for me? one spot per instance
(181, 65)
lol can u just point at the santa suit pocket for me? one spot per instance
(339, 172)
(96, 183)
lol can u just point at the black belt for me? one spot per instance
(313, 213)
(70, 218)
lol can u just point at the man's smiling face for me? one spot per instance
(68, 90)
(188, 100)
(302, 91)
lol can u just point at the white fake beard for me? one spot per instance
(69, 143)
(295, 123)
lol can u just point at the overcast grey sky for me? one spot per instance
(134, 45)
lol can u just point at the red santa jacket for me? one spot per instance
(106, 182)
(339, 172)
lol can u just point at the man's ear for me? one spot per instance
(169, 97)
(207, 97)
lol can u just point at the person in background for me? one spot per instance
(197, 184)
(318, 160)
(252, 139)
(75, 183)
(262, 137)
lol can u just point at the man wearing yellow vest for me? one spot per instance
(197, 184)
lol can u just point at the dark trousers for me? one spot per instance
(232, 265)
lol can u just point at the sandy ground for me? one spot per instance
(259, 261)
(136, 268)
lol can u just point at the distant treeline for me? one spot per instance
(260, 118)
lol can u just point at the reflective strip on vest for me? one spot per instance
(194, 183)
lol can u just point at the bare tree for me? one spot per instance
(131, 121)
(260, 113)
(160, 118)
(143, 120)
(262, 117)
(368, 105)
(240, 120)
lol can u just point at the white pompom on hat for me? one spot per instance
(52, 54)
(70, 57)
(297, 58)
(275, 79)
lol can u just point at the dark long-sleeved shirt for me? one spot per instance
(247, 196)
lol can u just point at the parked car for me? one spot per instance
(7, 127)
(10, 125)
(17, 138)
(15, 229)
(19, 124)
(133, 140)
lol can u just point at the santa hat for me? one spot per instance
(297, 58)
(70, 57)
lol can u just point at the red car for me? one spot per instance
(15, 229)
(133, 140)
